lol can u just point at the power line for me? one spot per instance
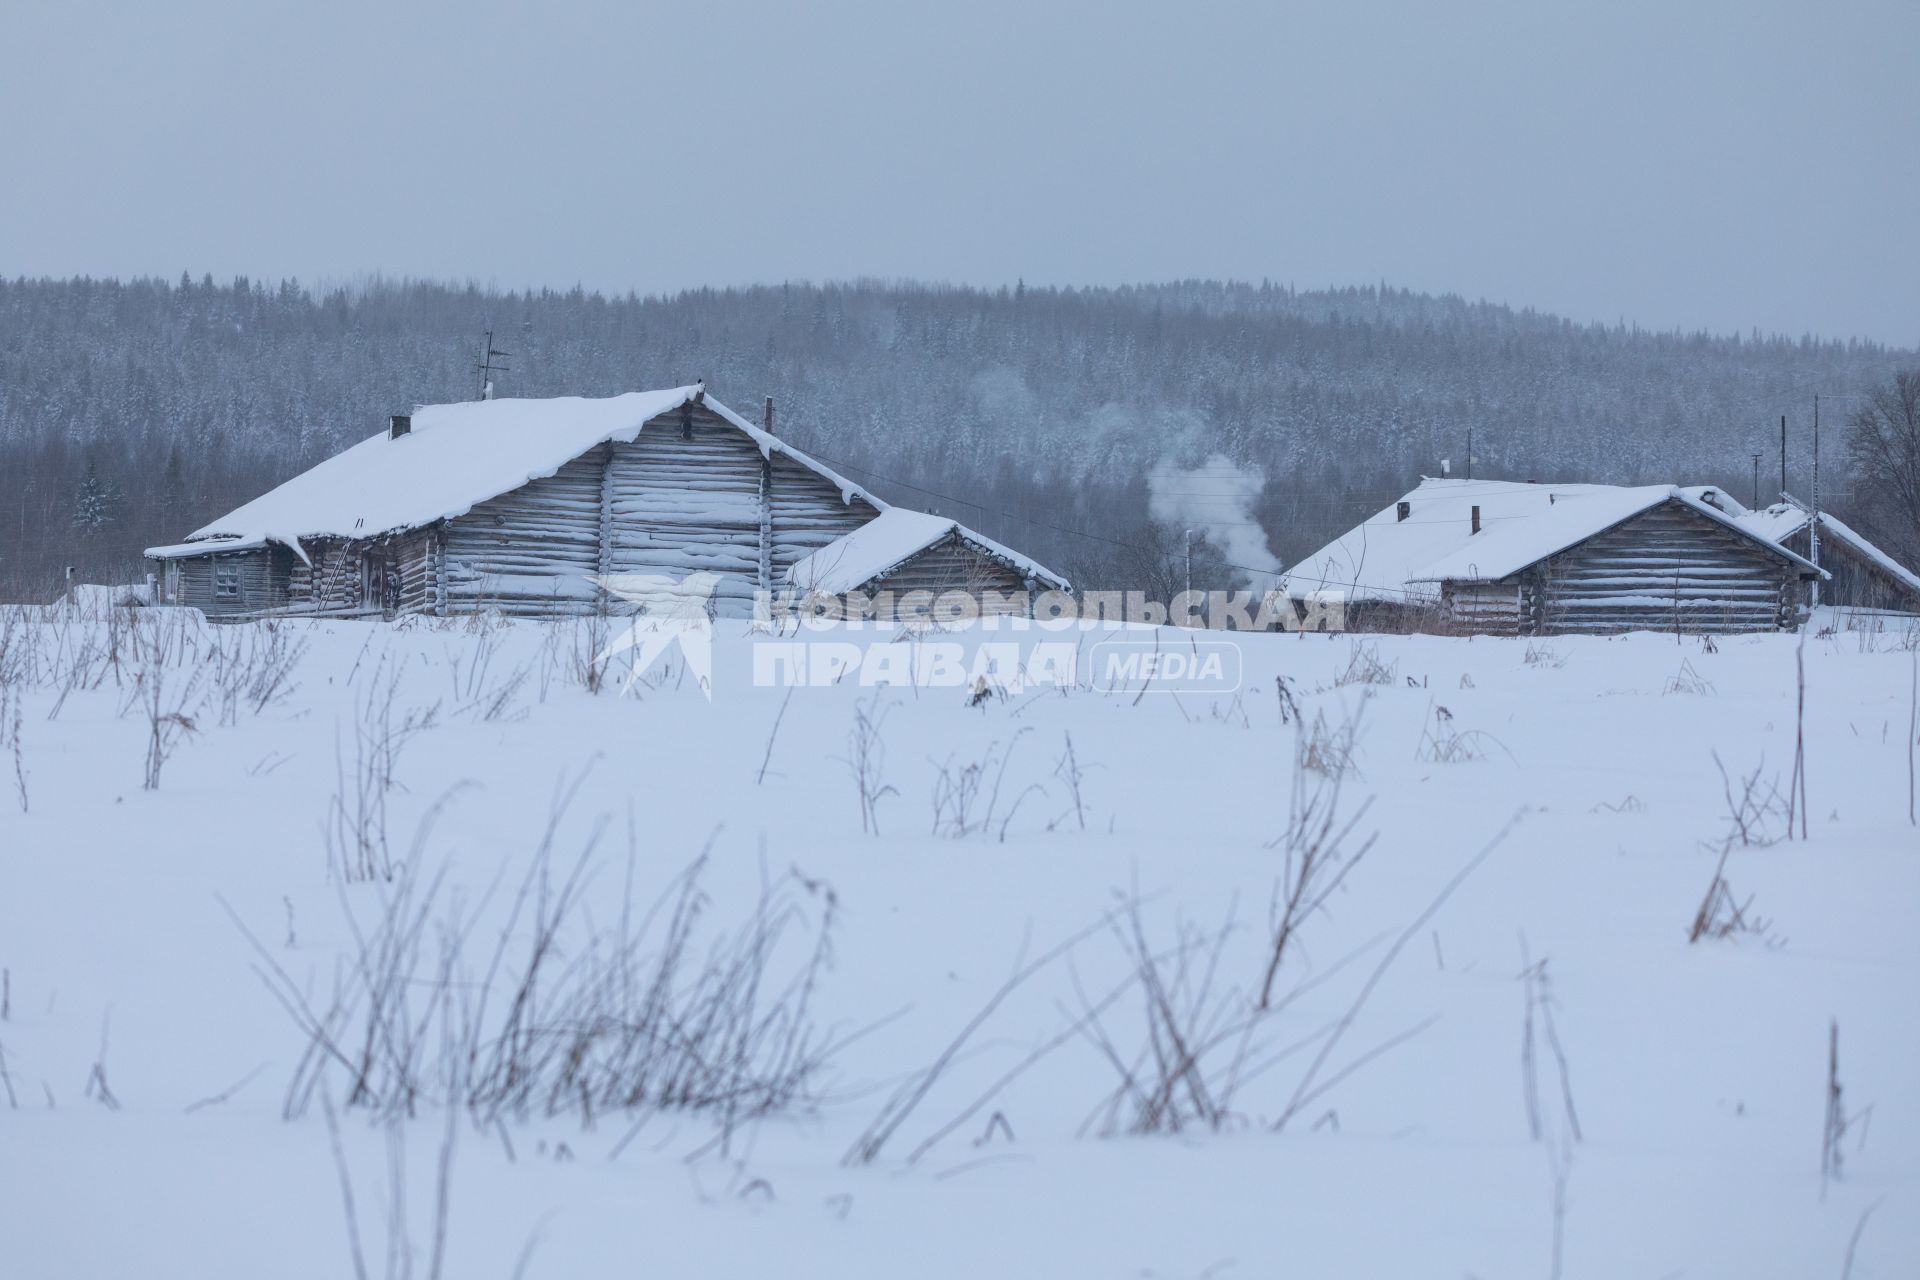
(1812, 384)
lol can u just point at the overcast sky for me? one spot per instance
(1691, 163)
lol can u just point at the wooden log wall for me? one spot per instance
(806, 513)
(1668, 568)
(415, 559)
(331, 583)
(1484, 608)
(1857, 581)
(264, 577)
(531, 552)
(685, 499)
(952, 564)
(688, 495)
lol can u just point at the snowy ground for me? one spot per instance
(1697, 1072)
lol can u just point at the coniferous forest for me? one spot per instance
(131, 412)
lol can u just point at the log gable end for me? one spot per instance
(686, 499)
(806, 512)
(954, 564)
(1669, 568)
(1857, 580)
(691, 493)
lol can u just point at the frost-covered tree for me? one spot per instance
(96, 504)
(1883, 446)
(1034, 413)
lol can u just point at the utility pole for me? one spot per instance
(765, 583)
(1783, 456)
(1756, 481)
(1469, 453)
(488, 368)
(1813, 525)
(1189, 600)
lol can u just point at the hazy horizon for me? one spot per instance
(1727, 167)
(359, 282)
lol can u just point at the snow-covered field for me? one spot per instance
(159, 945)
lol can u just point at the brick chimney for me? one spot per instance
(398, 425)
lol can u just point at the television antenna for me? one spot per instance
(488, 368)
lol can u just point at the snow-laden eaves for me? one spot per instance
(219, 544)
(205, 546)
(459, 455)
(888, 541)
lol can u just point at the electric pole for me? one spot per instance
(1756, 481)
(1813, 525)
(488, 368)
(1188, 602)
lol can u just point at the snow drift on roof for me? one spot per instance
(1778, 522)
(206, 546)
(890, 540)
(459, 455)
(1386, 558)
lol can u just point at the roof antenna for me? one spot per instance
(488, 368)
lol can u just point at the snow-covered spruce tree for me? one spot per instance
(97, 503)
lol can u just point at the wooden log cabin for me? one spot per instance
(1506, 558)
(520, 506)
(1860, 575)
(902, 561)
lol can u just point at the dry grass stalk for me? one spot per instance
(1316, 856)
(1537, 1026)
(561, 1017)
(966, 799)
(1754, 812)
(1442, 741)
(1365, 666)
(866, 760)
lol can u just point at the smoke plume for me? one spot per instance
(1215, 498)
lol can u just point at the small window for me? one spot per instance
(226, 579)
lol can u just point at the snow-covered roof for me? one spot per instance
(1386, 558)
(1784, 519)
(889, 540)
(459, 455)
(1778, 522)
(206, 546)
